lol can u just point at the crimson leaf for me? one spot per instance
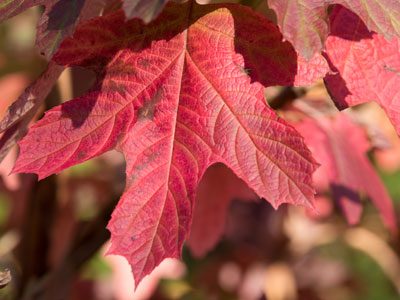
(175, 96)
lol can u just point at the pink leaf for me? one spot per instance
(367, 65)
(175, 97)
(309, 71)
(341, 148)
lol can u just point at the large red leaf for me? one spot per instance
(305, 22)
(367, 65)
(175, 97)
(341, 148)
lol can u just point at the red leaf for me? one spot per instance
(175, 97)
(310, 71)
(341, 148)
(367, 65)
(218, 187)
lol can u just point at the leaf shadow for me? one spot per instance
(267, 58)
(341, 191)
(348, 201)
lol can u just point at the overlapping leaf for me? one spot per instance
(367, 65)
(305, 22)
(341, 148)
(175, 97)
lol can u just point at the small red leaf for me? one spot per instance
(175, 97)
(367, 65)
